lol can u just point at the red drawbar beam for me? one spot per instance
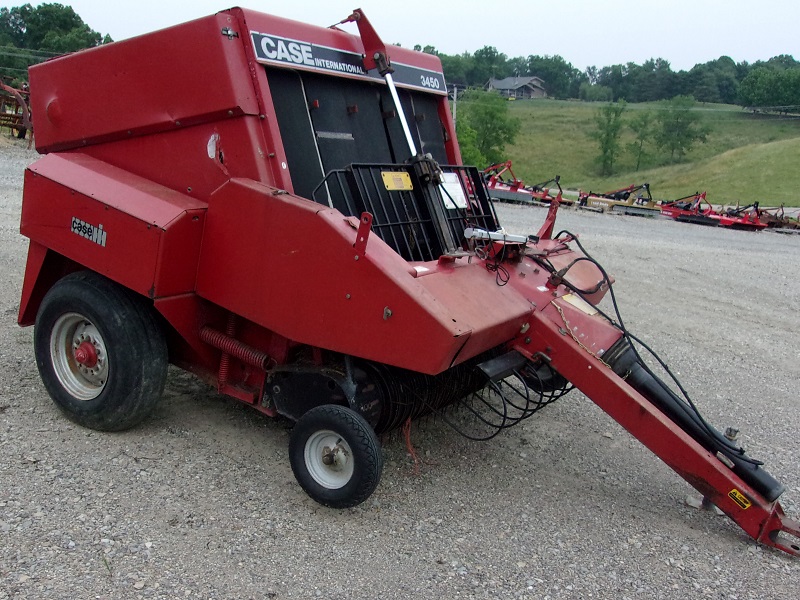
(762, 520)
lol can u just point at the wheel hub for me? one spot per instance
(79, 356)
(329, 459)
(86, 355)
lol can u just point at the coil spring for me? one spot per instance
(228, 345)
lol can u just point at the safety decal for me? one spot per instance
(740, 499)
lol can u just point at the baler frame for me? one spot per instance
(207, 262)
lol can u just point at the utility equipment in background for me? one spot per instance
(515, 191)
(696, 209)
(632, 200)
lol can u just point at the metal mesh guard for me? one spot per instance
(421, 223)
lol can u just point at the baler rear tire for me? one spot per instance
(123, 379)
(344, 437)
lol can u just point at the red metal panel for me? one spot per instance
(111, 221)
(33, 266)
(195, 160)
(124, 248)
(176, 266)
(160, 81)
(471, 295)
(289, 265)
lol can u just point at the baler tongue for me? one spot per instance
(622, 385)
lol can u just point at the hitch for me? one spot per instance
(746, 493)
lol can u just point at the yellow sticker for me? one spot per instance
(740, 499)
(580, 303)
(396, 181)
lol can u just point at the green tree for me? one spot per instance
(679, 127)
(595, 93)
(561, 79)
(758, 88)
(49, 27)
(456, 67)
(608, 120)
(468, 143)
(487, 63)
(771, 87)
(486, 113)
(642, 127)
(30, 35)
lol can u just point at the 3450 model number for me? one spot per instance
(429, 82)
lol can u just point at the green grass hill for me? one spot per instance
(747, 157)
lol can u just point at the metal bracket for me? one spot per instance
(362, 236)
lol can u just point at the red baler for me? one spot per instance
(281, 209)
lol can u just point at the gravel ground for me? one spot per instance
(200, 501)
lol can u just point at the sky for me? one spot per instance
(584, 32)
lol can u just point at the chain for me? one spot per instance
(573, 336)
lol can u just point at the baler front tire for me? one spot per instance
(100, 352)
(335, 456)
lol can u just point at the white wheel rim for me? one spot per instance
(84, 381)
(328, 446)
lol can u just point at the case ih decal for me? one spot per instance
(273, 49)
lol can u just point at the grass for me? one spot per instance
(746, 157)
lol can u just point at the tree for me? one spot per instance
(455, 68)
(679, 127)
(561, 79)
(468, 144)
(595, 93)
(50, 27)
(30, 35)
(487, 63)
(641, 125)
(609, 126)
(486, 113)
(771, 87)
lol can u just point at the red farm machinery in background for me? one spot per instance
(282, 210)
(632, 200)
(14, 112)
(514, 190)
(696, 209)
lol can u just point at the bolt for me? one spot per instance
(731, 433)
(527, 340)
(347, 296)
(356, 257)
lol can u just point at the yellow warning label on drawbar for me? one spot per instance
(397, 181)
(740, 499)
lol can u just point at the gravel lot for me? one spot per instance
(200, 501)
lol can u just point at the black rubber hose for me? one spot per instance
(625, 363)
